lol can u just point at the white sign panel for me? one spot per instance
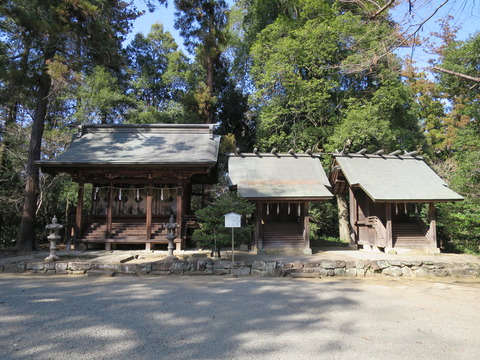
(233, 220)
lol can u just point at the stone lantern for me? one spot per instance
(54, 228)
(171, 235)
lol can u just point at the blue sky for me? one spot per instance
(465, 12)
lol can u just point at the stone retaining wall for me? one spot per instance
(311, 269)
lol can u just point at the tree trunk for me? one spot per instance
(27, 241)
(343, 221)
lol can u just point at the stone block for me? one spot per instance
(361, 272)
(393, 271)
(471, 265)
(340, 264)
(128, 269)
(350, 264)
(297, 265)
(439, 272)
(177, 268)
(61, 266)
(340, 272)
(379, 265)
(350, 272)
(256, 272)
(328, 264)
(145, 269)
(360, 264)
(49, 266)
(222, 264)
(313, 263)
(395, 262)
(79, 266)
(439, 265)
(34, 267)
(202, 264)
(161, 265)
(14, 267)
(420, 272)
(407, 272)
(416, 263)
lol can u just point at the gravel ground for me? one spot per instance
(78, 317)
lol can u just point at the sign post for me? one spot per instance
(233, 220)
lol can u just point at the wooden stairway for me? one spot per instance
(124, 232)
(282, 236)
(409, 235)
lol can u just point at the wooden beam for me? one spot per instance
(108, 231)
(79, 211)
(433, 224)
(179, 218)
(389, 225)
(353, 216)
(148, 215)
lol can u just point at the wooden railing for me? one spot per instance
(380, 229)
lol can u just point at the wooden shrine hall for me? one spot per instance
(140, 175)
(387, 196)
(281, 186)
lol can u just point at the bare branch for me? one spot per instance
(385, 7)
(476, 79)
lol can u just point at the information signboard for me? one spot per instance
(233, 220)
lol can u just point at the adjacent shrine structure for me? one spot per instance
(281, 186)
(140, 176)
(387, 195)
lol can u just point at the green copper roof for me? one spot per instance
(115, 145)
(278, 176)
(394, 178)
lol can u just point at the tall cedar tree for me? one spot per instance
(202, 23)
(78, 33)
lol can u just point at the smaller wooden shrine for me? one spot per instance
(281, 186)
(387, 196)
(141, 175)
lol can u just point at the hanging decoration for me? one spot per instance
(396, 208)
(161, 194)
(138, 194)
(278, 208)
(268, 209)
(120, 195)
(288, 208)
(95, 197)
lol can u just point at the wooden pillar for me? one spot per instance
(109, 212)
(79, 212)
(108, 231)
(353, 216)
(260, 206)
(179, 219)
(433, 224)
(148, 215)
(389, 225)
(307, 225)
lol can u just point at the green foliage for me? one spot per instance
(459, 226)
(212, 222)
(323, 220)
